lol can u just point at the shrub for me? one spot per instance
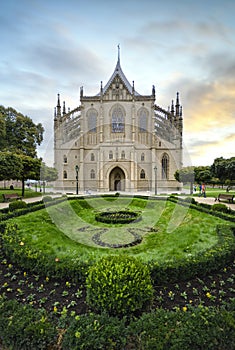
(119, 285)
(95, 332)
(117, 217)
(220, 207)
(17, 205)
(197, 328)
(24, 328)
(47, 199)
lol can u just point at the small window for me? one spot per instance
(110, 155)
(65, 159)
(142, 174)
(142, 157)
(123, 155)
(92, 157)
(92, 174)
(65, 174)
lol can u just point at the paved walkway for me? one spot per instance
(211, 201)
(207, 200)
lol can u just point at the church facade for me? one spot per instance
(118, 140)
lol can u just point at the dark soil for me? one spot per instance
(58, 296)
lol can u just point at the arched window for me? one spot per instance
(123, 155)
(110, 154)
(92, 157)
(143, 114)
(142, 158)
(118, 122)
(65, 174)
(165, 167)
(92, 120)
(65, 159)
(142, 174)
(92, 175)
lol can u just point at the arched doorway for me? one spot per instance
(117, 180)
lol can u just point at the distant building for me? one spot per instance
(119, 139)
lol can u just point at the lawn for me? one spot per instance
(168, 231)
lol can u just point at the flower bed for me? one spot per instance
(117, 217)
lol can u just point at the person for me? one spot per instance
(204, 190)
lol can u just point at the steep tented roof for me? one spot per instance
(118, 71)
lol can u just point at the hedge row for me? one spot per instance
(176, 270)
(24, 328)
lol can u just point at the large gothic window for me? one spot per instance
(92, 120)
(143, 114)
(165, 167)
(118, 122)
(92, 174)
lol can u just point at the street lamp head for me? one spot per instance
(155, 168)
(76, 168)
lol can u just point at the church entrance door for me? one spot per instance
(117, 180)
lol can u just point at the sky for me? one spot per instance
(57, 46)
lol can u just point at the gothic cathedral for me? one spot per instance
(118, 140)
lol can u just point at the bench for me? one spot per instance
(229, 197)
(8, 197)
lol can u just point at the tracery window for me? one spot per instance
(142, 158)
(65, 174)
(118, 122)
(65, 159)
(123, 155)
(143, 114)
(92, 120)
(92, 174)
(92, 157)
(142, 174)
(165, 166)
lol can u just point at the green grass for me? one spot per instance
(27, 194)
(214, 192)
(66, 229)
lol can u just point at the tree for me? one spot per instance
(47, 174)
(11, 166)
(202, 174)
(19, 133)
(20, 136)
(186, 175)
(31, 169)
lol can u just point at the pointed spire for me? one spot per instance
(118, 53)
(172, 107)
(133, 87)
(101, 87)
(58, 106)
(64, 109)
(177, 105)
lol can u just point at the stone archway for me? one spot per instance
(117, 180)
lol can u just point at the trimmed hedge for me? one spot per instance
(24, 328)
(119, 285)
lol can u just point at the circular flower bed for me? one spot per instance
(117, 217)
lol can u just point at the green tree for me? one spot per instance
(202, 174)
(31, 169)
(47, 174)
(19, 133)
(186, 175)
(20, 136)
(11, 166)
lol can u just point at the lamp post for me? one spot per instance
(76, 169)
(155, 169)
